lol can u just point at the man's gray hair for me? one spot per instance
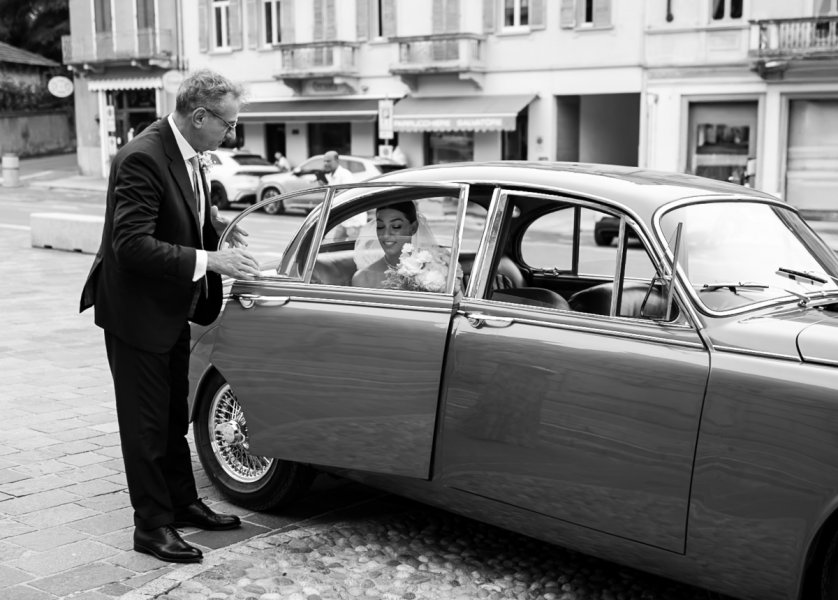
(205, 88)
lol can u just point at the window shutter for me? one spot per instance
(329, 16)
(235, 24)
(567, 20)
(602, 13)
(388, 21)
(318, 20)
(362, 19)
(252, 24)
(438, 16)
(538, 14)
(286, 21)
(452, 15)
(203, 25)
(489, 10)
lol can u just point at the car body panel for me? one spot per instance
(702, 449)
(333, 386)
(239, 180)
(570, 432)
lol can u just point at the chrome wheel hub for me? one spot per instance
(230, 446)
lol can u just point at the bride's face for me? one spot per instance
(394, 231)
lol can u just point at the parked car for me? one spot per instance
(234, 176)
(668, 404)
(309, 174)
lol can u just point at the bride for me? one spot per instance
(395, 225)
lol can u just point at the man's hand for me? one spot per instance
(237, 235)
(233, 262)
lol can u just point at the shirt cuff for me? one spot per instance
(200, 264)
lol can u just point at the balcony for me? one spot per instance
(457, 53)
(325, 66)
(156, 47)
(776, 44)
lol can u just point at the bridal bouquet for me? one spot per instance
(424, 270)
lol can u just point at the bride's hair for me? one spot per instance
(406, 207)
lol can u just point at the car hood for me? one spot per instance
(805, 333)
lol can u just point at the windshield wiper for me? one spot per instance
(712, 287)
(803, 276)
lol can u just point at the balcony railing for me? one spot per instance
(814, 37)
(314, 60)
(144, 44)
(439, 53)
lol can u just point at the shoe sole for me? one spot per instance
(219, 528)
(166, 558)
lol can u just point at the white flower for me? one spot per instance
(205, 160)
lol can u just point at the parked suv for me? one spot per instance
(234, 176)
(309, 174)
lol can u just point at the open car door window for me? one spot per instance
(336, 374)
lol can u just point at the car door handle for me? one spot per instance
(478, 320)
(251, 300)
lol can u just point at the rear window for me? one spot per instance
(251, 160)
(389, 168)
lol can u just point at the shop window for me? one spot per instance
(514, 143)
(272, 30)
(722, 140)
(726, 9)
(221, 23)
(449, 146)
(323, 137)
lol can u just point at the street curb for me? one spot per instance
(169, 581)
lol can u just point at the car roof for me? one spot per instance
(640, 190)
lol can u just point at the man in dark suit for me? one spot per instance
(158, 268)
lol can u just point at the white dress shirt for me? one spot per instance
(187, 151)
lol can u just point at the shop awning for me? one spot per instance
(333, 110)
(459, 113)
(124, 83)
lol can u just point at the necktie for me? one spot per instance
(196, 182)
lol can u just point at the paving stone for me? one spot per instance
(123, 539)
(61, 559)
(219, 539)
(10, 476)
(105, 523)
(24, 592)
(46, 539)
(10, 528)
(34, 485)
(10, 577)
(9, 550)
(107, 502)
(58, 515)
(84, 458)
(86, 578)
(96, 487)
(36, 502)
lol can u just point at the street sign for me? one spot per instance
(110, 118)
(385, 119)
(60, 86)
(172, 80)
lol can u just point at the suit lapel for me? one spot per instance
(177, 168)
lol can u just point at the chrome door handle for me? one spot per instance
(478, 320)
(251, 300)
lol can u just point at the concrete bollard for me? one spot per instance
(11, 170)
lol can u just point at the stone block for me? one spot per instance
(66, 231)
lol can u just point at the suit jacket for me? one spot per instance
(141, 279)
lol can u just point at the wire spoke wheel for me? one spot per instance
(228, 434)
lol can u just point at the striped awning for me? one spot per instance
(124, 83)
(459, 113)
(333, 110)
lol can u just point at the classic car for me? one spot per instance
(668, 402)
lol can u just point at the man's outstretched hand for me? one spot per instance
(237, 235)
(233, 262)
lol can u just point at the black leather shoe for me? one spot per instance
(165, 544)
(200, 515)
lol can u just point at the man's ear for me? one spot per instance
(197, 117)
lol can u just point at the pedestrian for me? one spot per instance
(282, 162)
(336, 174)
(157, 269)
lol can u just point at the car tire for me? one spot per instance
(254, 482)
(829, 571)
(603, 239)
(218, 196)
(274, 208)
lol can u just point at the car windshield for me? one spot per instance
(738, 253)
(251, 160)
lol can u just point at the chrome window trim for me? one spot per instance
(348, 302)
(759, 353)
(489, 238)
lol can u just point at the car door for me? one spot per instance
(331, 374)
(588, 418)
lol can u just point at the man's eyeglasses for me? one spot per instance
(230, 126)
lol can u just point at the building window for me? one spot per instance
(377, 19)
(827, 8)
(272, 21)
(585, 13)
(727, 9)
(221, 23)
(102, 16)
(449, 146)
(516, 13)
(145, 14)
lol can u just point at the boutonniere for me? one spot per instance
(205, 161)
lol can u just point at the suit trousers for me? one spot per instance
(153, 414)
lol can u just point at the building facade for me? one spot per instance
(732, 89)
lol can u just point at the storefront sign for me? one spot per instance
(454, 124)
(385, 119)
(60, 86)
(110, 118)
(172, 80)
